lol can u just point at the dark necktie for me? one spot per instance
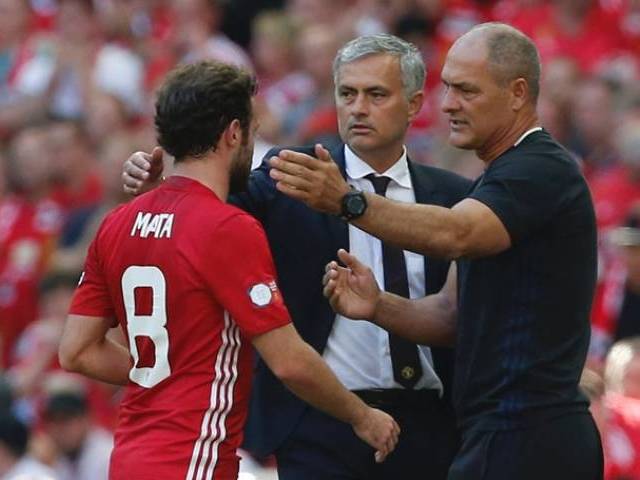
(404, 354)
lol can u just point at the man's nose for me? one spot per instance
(449, 101)
(360, 105)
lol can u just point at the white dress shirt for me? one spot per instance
(358, 351)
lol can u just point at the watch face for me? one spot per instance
(356, 204)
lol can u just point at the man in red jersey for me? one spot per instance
(192, 282)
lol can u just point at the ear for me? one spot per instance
(519, 89)
(415, 104)
(232, 135)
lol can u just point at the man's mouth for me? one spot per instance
(456, 123)
(360, 128)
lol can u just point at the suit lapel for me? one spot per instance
(423, 186)
(425, 192)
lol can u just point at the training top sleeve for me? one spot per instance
(524, 191)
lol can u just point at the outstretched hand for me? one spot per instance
(142, 171)
(352, 290)
(317, 182)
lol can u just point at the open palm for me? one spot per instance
(352, 290)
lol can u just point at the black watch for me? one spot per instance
(354, 204)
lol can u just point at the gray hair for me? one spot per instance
(511, 55)
(411, 64)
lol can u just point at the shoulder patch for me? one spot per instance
(260, 295)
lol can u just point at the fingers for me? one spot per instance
(322, 153)
(329, 275)
(332, 265)
(286, 166)
(136, 167)
(301, 159)
(351, 261)
(329, 290)
(292, 179)
(291, 191)
(140, 160)
(389, 443)
(131, 186)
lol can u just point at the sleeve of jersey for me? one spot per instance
(522, 193)
(91, 297)
(240, 271)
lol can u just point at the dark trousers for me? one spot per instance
(322, 448)
(565, 448)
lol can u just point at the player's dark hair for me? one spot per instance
(196, 103)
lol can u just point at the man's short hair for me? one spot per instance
(511, 55)
(197, 102)
(411, 63)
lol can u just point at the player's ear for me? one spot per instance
(232, 135)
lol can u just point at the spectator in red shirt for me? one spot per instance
(30, 221)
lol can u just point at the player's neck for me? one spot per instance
(216, 178)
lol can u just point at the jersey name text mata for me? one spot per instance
(159, 225)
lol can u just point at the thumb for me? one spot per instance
(322, 153)
(156, 155)
(351, 261)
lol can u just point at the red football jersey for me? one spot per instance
(191, 280)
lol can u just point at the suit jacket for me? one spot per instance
(303, 242)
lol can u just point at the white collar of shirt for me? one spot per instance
(358, 169)
(526, 134)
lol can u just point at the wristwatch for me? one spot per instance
(354, 204)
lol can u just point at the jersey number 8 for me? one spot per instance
(151, 326)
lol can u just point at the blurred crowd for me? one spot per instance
(77, 81)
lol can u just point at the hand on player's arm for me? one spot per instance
(353, 292)
(317, 182)
(142, 171)
(304, 372)
(85, 348)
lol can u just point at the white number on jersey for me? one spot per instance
(150, 326)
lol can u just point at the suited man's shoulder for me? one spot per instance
(442, 179)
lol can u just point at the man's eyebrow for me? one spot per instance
(461, 85)
(366, 89)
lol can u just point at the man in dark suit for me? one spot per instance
(379, 81)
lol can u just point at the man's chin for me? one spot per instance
(460, 141)
(362, 143)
